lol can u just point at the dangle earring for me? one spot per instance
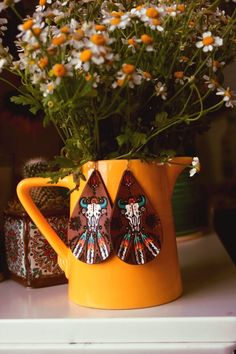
(136, 230)
(89, 225)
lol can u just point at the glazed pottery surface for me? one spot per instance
(114, 284)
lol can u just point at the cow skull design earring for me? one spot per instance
(136, 230)
(89, 225)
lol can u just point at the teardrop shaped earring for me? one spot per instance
(89, 226)
(136, 230)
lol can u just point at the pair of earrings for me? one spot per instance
(130, 228)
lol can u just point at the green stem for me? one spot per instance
(204, 112)
(202, 98)
(107, 111)
(228, 28)
(187, 83)
(186, 103)
(16, 12)
(201, 104)
(76, 134)
(57, 129)
(157, 132)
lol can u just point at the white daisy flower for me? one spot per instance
(94, 78)
(145, 75)
(180, 77)
(219, 12)
(147, 41)
(209, 41)
(6, 3)
(195, 166)
(38, 77)
(128, 75)
(229, 97)
(161, 90)
(3, 22)
(42, 5)
(117, 20)
(132, 43)
(171, 10)
(211, 83)
(3, 62)
(151, 17)
(99, 44)
(137, 11)
(155, 24)
(84, 58)
(215, 64)
(47, 88)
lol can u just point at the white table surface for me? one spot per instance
(206, 312)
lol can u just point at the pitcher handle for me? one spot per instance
(23, 192)
(176, 166)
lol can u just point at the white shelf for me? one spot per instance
(205, 313)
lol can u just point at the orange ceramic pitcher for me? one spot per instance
(114, 284)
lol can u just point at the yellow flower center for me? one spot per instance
(79, 34)
(179, 74)
(59, 40)
(50, 87)
(156, 22)
(131, 41)
(184, 59)
(181, 7)
(216, 64)
(146, 39)
(98, 39)
(36, 31)
(88, 77)
(86, 55)
(100, 28)
(43, 62)
(59, 70)
(120, 82)
(115, 21)
(170, 9)
(208, 40)
(215, 82)
(42, 2)
(117, 14)
(152, 12)
(228, 93)
(27, 24)
(147, 75)
(128, 68)
(191, 23)
(35, 46)
(65, 29)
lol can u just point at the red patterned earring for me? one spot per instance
(89, 226)
(136, 230)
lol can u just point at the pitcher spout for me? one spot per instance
(175, 167)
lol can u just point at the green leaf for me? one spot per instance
(55, 176)
(138, 139)
(63, 162)
(161, 119)
(27, 101)
(86, 90)
(122, 139)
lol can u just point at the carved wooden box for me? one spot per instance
(30, 258)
